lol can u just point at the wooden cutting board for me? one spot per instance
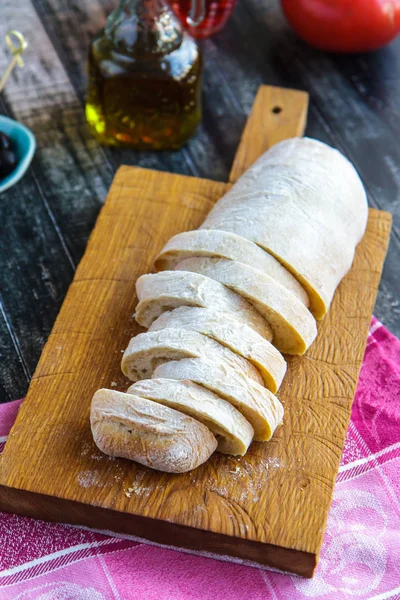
(269, 507)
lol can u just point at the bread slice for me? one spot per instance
(236, 336)
(293, 326)
(261, 408)
(222, 244)
(159, 292)
(153, 435)
(148, 350)
(233, 433)
(304, 203)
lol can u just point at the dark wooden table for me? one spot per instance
(46, 219)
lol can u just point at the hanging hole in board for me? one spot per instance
(276, 110)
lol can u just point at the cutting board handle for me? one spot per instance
(277, 114)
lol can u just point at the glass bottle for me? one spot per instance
(144, 79)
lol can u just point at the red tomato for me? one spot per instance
(344, 25)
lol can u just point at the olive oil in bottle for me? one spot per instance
(144, 79)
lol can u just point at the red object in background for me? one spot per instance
(344, 25)
(216, 12)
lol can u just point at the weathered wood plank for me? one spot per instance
(73, 172)
(14, 374)
(35, 270)
(56, 204)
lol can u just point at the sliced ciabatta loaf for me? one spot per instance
(222, 244)
(258, 405)
(293, 326)
(148, 350)
(236, 336)
(159, 292)
(303, 202)
(156, 436)
(233, 432)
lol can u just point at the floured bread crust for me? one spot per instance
(233, 432)
(293, 326)
(303, 202)
(239, 338)
(222, 244)
(147, 350)
(153, 435)
(258, 405)
(164, 291)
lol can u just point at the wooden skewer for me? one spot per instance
(16, 52)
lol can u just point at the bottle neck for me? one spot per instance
(144, 27)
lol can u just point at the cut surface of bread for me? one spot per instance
(236, 336)
(149, 433)
(304, 203)
(232, 431)
(258, 405)
(148, 350)
(293, 326)
(223, 244)
(160, 292)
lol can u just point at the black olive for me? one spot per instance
(8, 162)
(5, 142)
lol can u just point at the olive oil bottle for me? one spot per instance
(144, 79)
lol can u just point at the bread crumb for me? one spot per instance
(114, 384)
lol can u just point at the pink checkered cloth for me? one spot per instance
(360, 557)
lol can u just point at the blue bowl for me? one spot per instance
(23, 144)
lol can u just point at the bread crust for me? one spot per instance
(159, 292)
(232, 431)
(153, 435)
(147, 350)
(236, 336)
(223, 244)
(304, 203)
(258, 405)
(293, 326)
